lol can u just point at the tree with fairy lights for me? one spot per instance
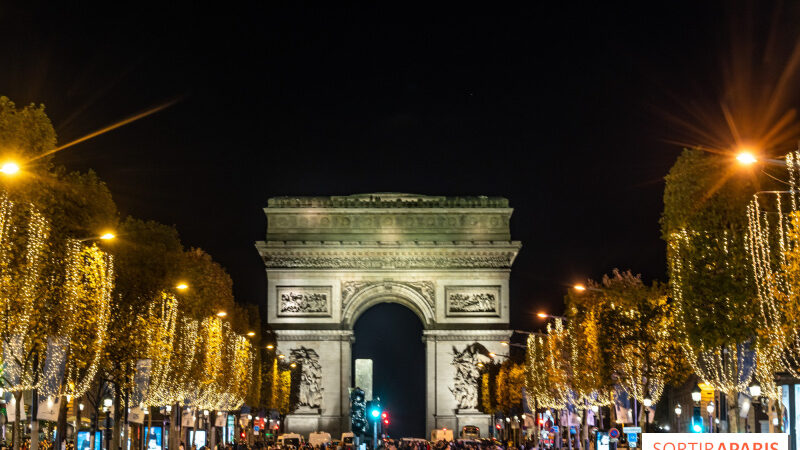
(704, 224)
(773, 244)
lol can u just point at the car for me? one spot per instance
(290, 440)
(442, 434)
(318, 438)
(470, 432)
(347, 440)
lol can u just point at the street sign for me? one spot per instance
(629, 430)
(633, 438)
(613, 433)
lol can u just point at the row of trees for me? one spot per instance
(728, 313)
(79, 313)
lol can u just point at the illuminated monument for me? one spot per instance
(329, 259)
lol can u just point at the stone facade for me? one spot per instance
(447, 259)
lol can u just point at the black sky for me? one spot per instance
(555, 106)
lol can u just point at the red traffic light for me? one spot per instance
(384, 416)
(386, 421)
(541, 422)
(498, 426)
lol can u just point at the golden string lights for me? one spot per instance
(773, 243)
(726, 366)
(23, 243)
(85, 313)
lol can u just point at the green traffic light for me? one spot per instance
(375, 413)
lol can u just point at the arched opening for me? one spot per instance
(391, 335)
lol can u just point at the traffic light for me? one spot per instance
(358, 419)
(374, 409)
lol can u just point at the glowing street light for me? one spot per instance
(746, 158)
(107, 236)
(755, 389)
(293, 365)
(270, 347)
(9, 168)
(579, 287)
(251, 333)
(222, 314)
(697, 394)
(281, 356)
(182, 286)
(678, 410)
(647, 402)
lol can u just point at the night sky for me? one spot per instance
(560, 108)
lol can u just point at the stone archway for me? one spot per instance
(415, 295)
(329, 259)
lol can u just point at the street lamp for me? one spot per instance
(222, 314)
(647, 402)
(755, 389)
(678, 410)
(182, 286)
(696, 393)
(746, 158)
(10, 168)
(107, 406)
(710, 409)
(107, 236)
(270, 347)
(579, 287)
(251, 333)
(595, 408)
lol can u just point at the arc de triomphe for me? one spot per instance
(447, 259)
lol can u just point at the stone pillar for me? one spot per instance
(430, 370)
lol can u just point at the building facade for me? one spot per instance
(447, 259)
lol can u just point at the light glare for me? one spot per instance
(9, 168)
(746, 158)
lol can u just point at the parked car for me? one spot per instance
(442, 435)
(347, 440)
(319, 438)
(290, 439)
(470, 432)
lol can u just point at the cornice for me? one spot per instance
(466, 335)
(387, 200)
(388, 257)
(314, 335)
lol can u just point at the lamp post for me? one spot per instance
(710, 409)
(107, 402)
(696, 394)
(678, 411)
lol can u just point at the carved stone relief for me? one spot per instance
(465, 383)
(424, 288)
(472, 300)
(304, 300)
(310, 395)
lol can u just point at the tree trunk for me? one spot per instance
(34, 420)
(174, 427)
(585, 429)
(733, 415)
(16, 431)
(126, 430)
(146, 437)
(212, 441)
(61, 428)
(93, 431)
(113, 443)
